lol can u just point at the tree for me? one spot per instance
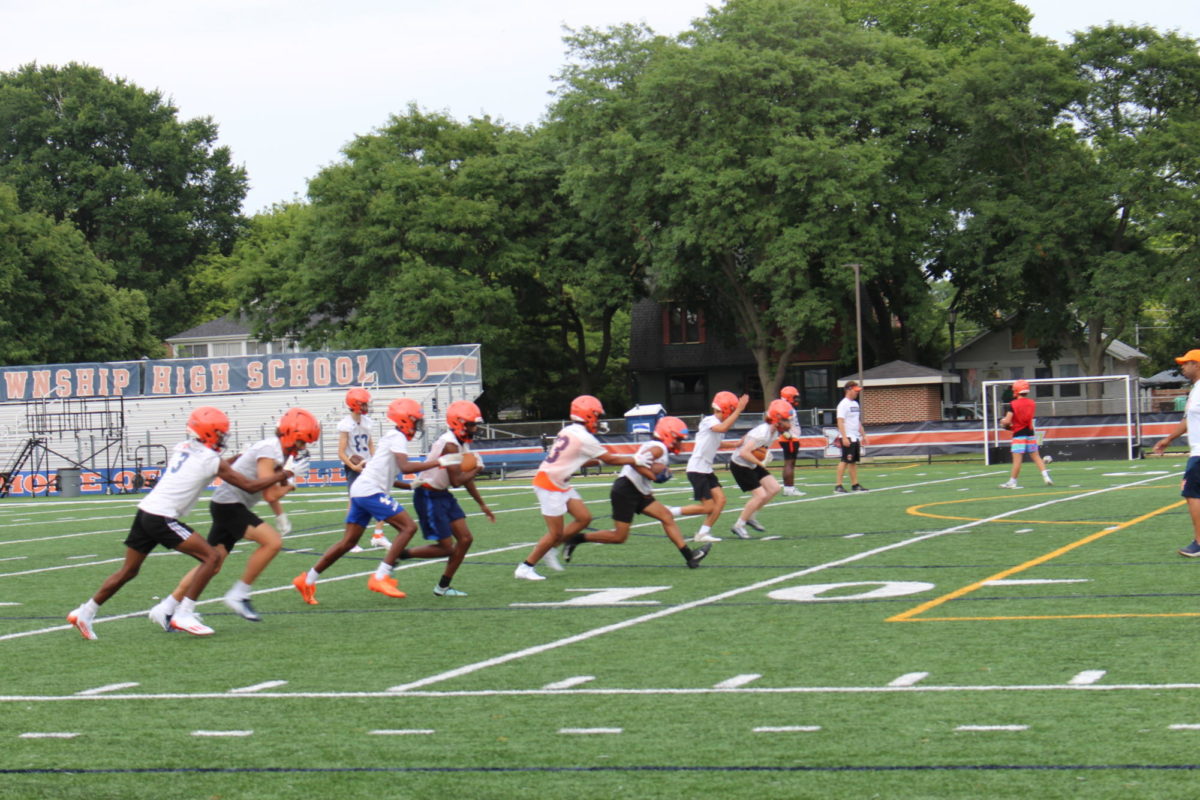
(753, 157)
(59, 301)
(149, 192)
(436, 232)
(1077, 168)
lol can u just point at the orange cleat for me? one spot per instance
(307, 591)
(385, 586)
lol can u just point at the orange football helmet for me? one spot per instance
(1020, 387)
(297, 429)
(358, 400)
(588, 410)
(789, 393)
(671, 431)
(209, 425)
(461, 417)
(407, 415)
(725, 402)
(779, 414)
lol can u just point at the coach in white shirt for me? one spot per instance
(1189, 366)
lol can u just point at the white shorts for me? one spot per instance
(554, 504)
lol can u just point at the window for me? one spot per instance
(256, 348)
(1043, 389)
(1069, 389)
(683, 325)
(816, 385)
(1019, 341)
(687, 393)
(199, 350)
(225, 349)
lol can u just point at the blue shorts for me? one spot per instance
(1024, 444)
(376, 506)
(437, 510)
(1191, 478)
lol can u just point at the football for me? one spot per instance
(356, 459)
(762, 454)
(663, 476)
(468, 463)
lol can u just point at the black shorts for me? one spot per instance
(790, 448)
(627, 500)
(351, 477)
(748, 478)
(230, 523)
(148, 530)
(702, 484)
(850, 454)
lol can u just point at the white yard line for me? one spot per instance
(516, 655)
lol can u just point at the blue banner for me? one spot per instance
(276, 372)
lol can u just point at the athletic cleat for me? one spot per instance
(241, 606)
(858, 487)
(839, 489)
(739, 530)
(385, 586)
(356, 549)
(705, 537)
(792, 491)
(1046, 479)
(1191, 551)
(190, 623)
(84, 626)
(379, 540)
(307, 591)
(697, 556)
(1009, 484)
(758, 526)
(160, 617)
(568, 551)
(551, 559)
(448, 591)
(527, 573)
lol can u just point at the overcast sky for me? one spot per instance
(290, 82)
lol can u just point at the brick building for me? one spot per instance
(901, 392)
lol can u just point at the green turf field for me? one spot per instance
(937, 637)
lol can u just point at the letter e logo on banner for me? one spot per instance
(410, 366)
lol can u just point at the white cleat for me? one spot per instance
(1009, 485)
(705, 537)
(190, 623)
(241, 606)
(792, 491)
(739, 530)
(551, 560)
(159, 616)
(379, 540)
(356, 549)
(527, 573)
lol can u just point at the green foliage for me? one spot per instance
(150, 193)
(59, 301)
(435, 232)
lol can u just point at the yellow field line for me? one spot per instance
(1053, 616)
(917, 512)
(907, 616)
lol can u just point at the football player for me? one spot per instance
(355, 447)
(749, 465)
(192, 466)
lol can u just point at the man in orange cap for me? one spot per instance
(1189, 366)
(1019, 420)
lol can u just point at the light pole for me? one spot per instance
(858, 317)
(952, 316)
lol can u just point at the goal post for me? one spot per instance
(1107, 426)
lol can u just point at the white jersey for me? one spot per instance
(380, 473)
(439, 478)
(660, 463)
(247, 465)
(794, 431)
(359, 439)
(1192, 414)
(759, 436)
(573, 448)
(708, 442)
(851, 412)
(190, 469)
